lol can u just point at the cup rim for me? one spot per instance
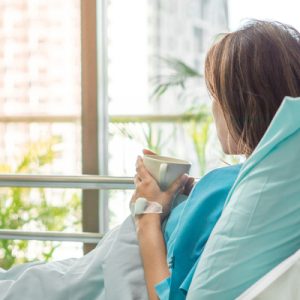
(167, 159)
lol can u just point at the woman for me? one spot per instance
(248, 73)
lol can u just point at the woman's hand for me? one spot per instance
(190, 181)
(147, 187)
(151, 240)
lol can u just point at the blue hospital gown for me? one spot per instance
(189, 227)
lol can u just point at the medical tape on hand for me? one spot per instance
(143, 206)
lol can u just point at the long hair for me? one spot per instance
(249, 72)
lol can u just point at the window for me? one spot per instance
(76, 96)
(143, 39)
(40, 128)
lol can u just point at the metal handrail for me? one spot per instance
(55, 181)
(75, 118)
(84, 237)
(60, 181)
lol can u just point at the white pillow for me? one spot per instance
(283, 282)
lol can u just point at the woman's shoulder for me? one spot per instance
(224, 171)
(220, 178)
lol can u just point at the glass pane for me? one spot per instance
(40, 109)
(282, 11)
(152, 43)
(40, 54)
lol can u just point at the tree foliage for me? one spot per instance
(34, 209)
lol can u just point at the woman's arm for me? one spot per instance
(153, 251)
(151, 241)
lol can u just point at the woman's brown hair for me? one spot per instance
(249, 72)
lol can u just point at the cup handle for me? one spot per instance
(162, 175)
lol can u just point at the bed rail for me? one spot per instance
(85, 237)
(76, 182)
(54, 181)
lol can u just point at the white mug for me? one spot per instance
(165, 169)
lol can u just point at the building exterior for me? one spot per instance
(184, 30)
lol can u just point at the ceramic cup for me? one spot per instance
(165, 169)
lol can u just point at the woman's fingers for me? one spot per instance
(178, 185)
(148, 152)
(141, 169)
(189, 185)
(137, 180)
